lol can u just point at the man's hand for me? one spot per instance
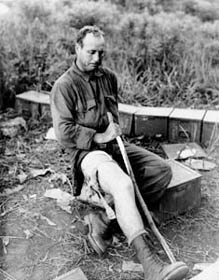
(113, 130)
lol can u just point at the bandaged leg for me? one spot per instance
(115, 182)
(91, 191)
(99, 168)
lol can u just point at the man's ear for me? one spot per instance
(77, 47)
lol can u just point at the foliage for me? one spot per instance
(162, 57)
(31, 49)
(99, 13)
(164, 54)
(203, 9)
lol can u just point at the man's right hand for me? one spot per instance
(113, 130)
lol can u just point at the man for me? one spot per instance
(85, 118)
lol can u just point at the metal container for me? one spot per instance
(183, 192)
(151, 121)
(210, 131)
(126, 118)
(185, 125)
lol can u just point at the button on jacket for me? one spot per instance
(79, 105)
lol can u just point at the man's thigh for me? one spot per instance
(152, 173)
(102, 172)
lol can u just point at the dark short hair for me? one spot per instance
(95, 30)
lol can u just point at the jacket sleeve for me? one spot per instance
(112, 100)
(68, 132)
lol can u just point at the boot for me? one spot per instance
(154, 268)
(99, 235)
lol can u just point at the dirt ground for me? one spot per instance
(40, 241)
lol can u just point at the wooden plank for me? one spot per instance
(154, 111)
(188, 114)
(33, 104)
(75, 274)
(211, 116)
(34, 96)
(211, 273)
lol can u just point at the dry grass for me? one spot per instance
(54, 250)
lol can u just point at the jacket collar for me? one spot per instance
(87, 76)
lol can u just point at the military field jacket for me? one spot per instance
(79, 106)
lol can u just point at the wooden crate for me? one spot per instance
(185, 125)
(210, 131)
(151, 121)
(126, 118)
(183, 192)
(32, 104)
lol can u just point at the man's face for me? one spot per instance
(91, 53)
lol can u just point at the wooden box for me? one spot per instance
(126, 118)
(183, 192)
(150, 121)
(32, 104)
(185, 125)
(210, 131)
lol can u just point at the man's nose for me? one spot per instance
(96, 57)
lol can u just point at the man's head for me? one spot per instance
(90, 48)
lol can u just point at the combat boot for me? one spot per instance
(99, 234)
(154, 268)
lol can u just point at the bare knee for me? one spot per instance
(124, 192)
(124, 187)
(114, 180)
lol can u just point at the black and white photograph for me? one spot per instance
(109, 140)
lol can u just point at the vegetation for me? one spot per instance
(166, 53)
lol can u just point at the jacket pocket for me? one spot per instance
(110, 99)
(86, 114)
(90, 104)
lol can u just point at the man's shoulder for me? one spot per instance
(65, 83)
(107, 71)
(66, 78)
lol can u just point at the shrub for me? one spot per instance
(99, 13)
(205, 10)
(31, 53)
(164, 53)
(161, 58)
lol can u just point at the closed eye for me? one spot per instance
(101, 53)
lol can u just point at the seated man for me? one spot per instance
(82, 100)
